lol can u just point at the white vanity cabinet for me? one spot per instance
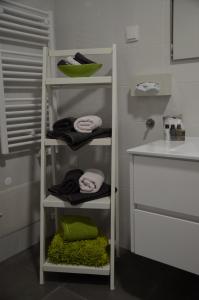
(164, 183)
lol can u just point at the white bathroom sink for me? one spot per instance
(190, 146)
(189, 149)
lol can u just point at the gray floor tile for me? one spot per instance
(62, 293)
(137, 278)
(19, 279)
(149, 280)
(99, 291)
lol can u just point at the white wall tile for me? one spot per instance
(148, 14)
(189, 97)
(100, 23)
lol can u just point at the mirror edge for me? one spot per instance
(172, 59)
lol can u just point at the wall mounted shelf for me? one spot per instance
(163, 80)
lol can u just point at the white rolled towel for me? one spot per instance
(72, 61)
(87, 124)
(91, 181)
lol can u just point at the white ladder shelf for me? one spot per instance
(106, 203)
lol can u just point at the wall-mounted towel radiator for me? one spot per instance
(23, 33)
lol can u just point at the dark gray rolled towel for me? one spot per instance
(83, 59)
(60, 127)
(62, 62)
(70, 184)
(77, 198)
(64, 124)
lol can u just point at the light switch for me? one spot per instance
(132, 34)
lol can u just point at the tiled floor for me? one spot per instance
(137, 278)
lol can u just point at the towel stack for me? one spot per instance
(77, 59)
(78, 186)
(78, 242)
(78, 132)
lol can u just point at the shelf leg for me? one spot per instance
(112, 279)
(43, 168)
(53, 163)
(42, 244)
(112, 284)
(117, 227)
(113, 167)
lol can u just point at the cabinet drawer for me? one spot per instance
(19, 207)
(167, 184)
(168, 240)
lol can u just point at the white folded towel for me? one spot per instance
(91, 181)
(72, 61)
(87, 124)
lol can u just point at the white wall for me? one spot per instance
(19, 201)
(94, 23)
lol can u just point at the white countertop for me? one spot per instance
(189, 149)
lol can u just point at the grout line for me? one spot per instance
(61, 286)
(52, 292)
(123, 85)
(75, 294)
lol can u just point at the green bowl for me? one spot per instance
(79, 70)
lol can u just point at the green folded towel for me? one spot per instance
(85, 252)
(74, 228)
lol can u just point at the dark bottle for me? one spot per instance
(166, 132)
(172, 133)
